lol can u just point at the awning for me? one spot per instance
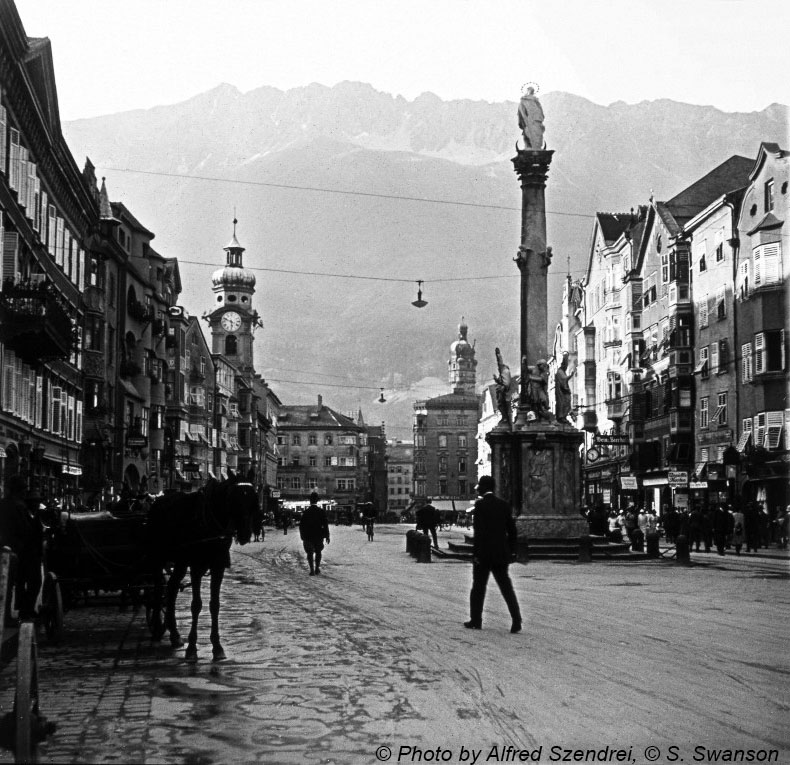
(189, 436)
(130, 389)
(717, 413)
(224, 474)
(211, 475)
(699, 470)
(701, 367)
(203, 438)
(447, 504)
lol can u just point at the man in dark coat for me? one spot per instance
(21, 530)
(494, 549)
(314, 529)
(722, 528)
(428, 520)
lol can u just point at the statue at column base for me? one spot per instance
(537, 393)
(504, 392)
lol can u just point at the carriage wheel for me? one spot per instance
(52, 608)
(26, 699)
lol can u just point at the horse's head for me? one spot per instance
(241, 501)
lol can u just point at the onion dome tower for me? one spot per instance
(462, 363)
(233, 319)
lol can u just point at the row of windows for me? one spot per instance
(720, 415)
(312, 439)
(444, 419)
(312, 461)
(22, 175)
(41, 400)
(296, 482)
(766, 430)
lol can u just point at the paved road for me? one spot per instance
(372, 653)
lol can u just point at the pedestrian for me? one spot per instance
(783, 528)
(751, 527)
(314, 529)
(427, 520)
(707, 528)
(286, 522)
(738, 531)
(495, 545)
(695, 524)
(631, 521)
(369, 528)
(21, 530)
(722, 528)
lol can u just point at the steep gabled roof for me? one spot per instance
(41, 71)
(766, 148)
(730, 175)
(311, 416)
(613, 224)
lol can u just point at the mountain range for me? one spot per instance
(347, 196)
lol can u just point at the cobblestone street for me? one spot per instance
(372, 653)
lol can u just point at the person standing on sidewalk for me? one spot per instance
(494, 549)
(314, 529)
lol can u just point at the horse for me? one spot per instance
(194, 531)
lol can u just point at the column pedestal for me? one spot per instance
(537, 469)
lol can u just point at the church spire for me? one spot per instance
(234, 249)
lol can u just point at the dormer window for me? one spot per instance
(769, 195)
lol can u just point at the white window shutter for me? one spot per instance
(10, 255)
(39, 400)
(771, 263)
(759, 353)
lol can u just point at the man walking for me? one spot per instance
(494, 549)
(314, 529)
(427, 520)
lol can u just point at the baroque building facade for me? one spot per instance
(445, 434)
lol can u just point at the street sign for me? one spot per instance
(275, 493)
(612, 440)
(136, 442)
(678, 478)
(629, 482)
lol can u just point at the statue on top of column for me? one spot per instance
(530, 119)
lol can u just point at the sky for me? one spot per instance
(113, 56)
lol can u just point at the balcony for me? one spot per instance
(34, 322)
(615, 408)
(93, 299)
(590, 419)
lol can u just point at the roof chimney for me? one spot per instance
(320, 402)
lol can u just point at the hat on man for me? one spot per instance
(485, 484)
(314, 498)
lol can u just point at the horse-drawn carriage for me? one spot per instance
(144, 555)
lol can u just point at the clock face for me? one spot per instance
(231, 321)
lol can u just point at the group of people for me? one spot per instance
(717, 525)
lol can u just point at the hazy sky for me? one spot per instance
(112, 56)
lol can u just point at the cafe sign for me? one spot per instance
(678, 478)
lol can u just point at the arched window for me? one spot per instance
(231, 345)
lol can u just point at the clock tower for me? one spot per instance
(233, 319)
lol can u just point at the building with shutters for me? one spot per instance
(761, 414)
(47, 214)
(319, 449)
